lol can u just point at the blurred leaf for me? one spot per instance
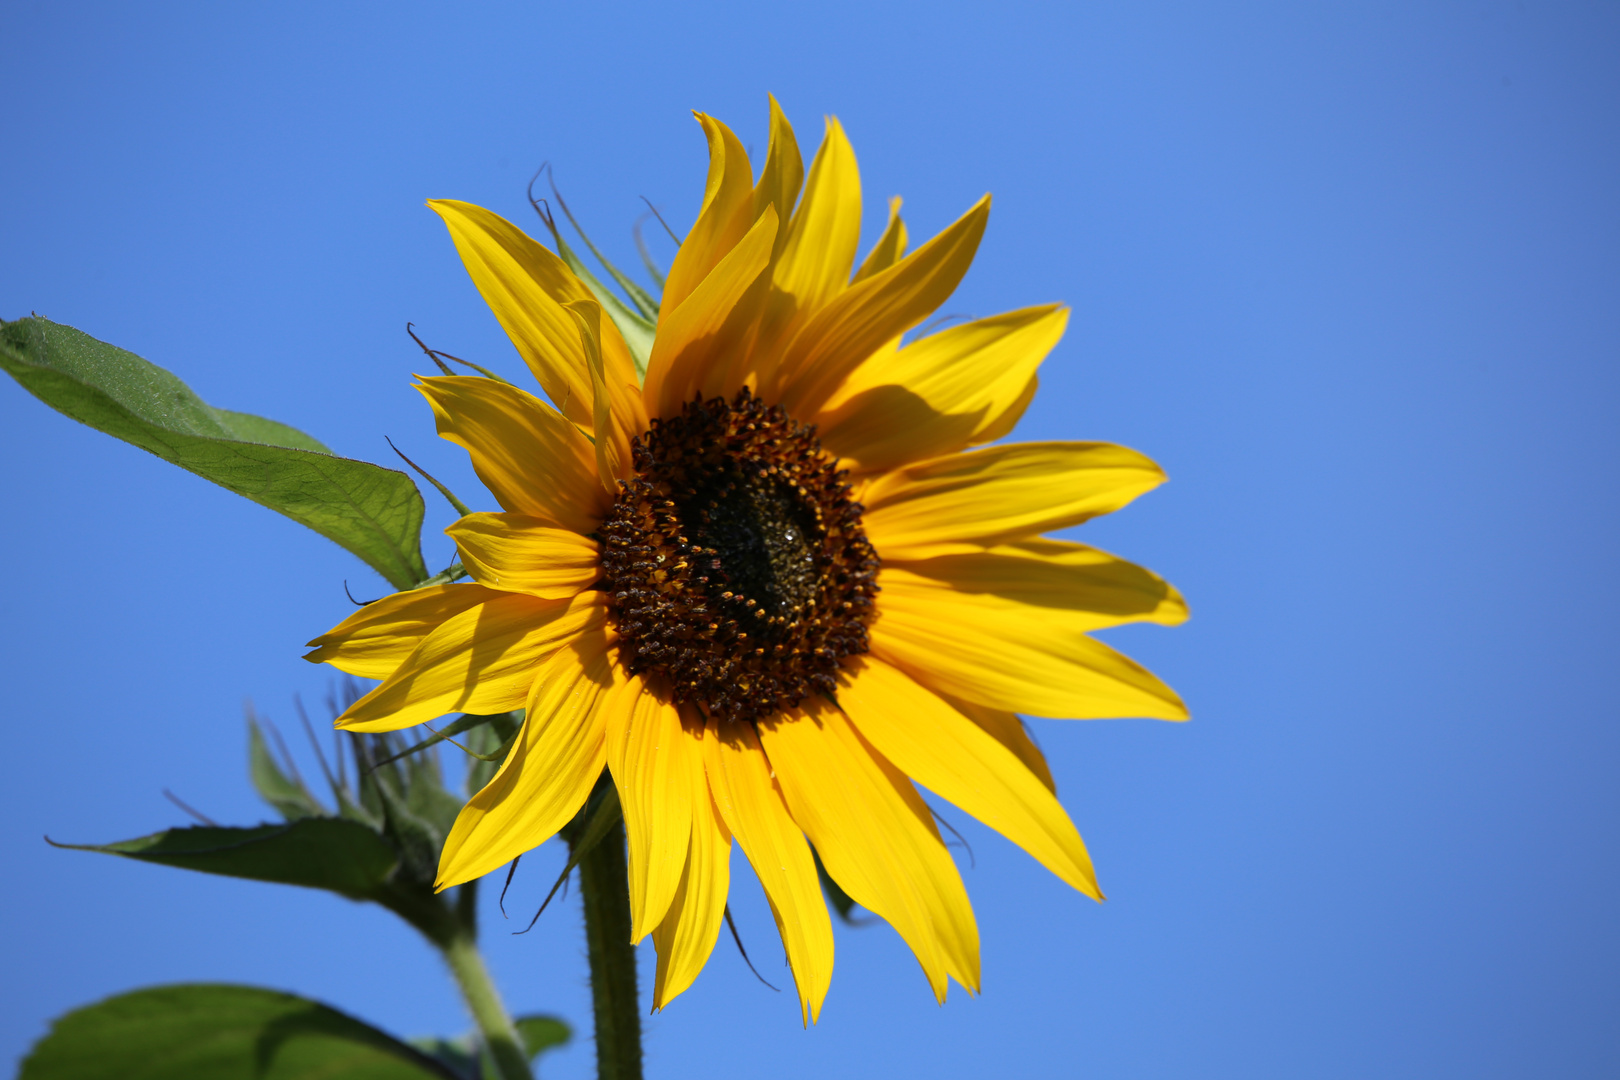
(460, 1055)
(336, 854)
(418, 839)
(426, 796)
(220, 1032)
(286, 795)
(463, 1054)
(836, 896)
(375, 513)
(541, 1033)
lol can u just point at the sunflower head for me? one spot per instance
(734, 562)
(754, 559)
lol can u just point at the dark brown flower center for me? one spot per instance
(734, 561)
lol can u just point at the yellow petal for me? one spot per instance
(526, 286)
(549, 772)
(1008, 730)
(481, 661)
(951, 756)
(657, 767)
(782, 175)
(815, 261)
(697, 346)
(375, 640)
(1014, 657)
(687, 934)
(876, 837)
(815, 250)
(889, 247)
(1057, 583)
(837, 338)
(728, 202)
(523, 554)
(941, 393)
(750, 803)
(1003, 424)
(532, 460)
(962, 502)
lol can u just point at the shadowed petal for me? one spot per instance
(954, 758)
(480, 661)
(549, 772)
(876, 837)
(518, 553)
(375, 640)
(750, 803)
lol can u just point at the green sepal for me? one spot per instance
(454, 572)
(646, 306)
(216, 1031)
(485, 742)
(287, 795)
(458, 726)
(374, 512)
(449, 496)
(647, 260)
(636, 329)
(335, 854)
(600, 813)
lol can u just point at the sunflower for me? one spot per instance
(771, 577)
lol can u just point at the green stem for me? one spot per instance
(604, 884)
(484, 1002)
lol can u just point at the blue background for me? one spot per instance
(1350, 272)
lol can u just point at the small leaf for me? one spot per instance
(375, 513)
(286, 795)
(203, 1031)
(541, 1033)
(336, 854)
(836, 896)
(418, 838)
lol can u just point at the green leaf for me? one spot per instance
(541, 1033)
(841, 901)
(374, 512)
(286, 795)
(336, 854)
(217, 1031)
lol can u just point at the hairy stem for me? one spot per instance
(605, 886)
(484, 1002)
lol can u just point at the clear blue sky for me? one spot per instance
(1350, 272)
